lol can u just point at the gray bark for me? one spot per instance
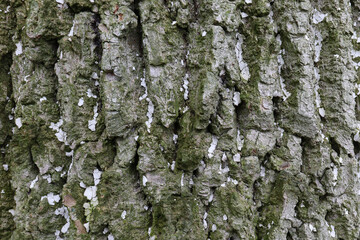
(150, 119)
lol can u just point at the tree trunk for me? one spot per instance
(150, 119)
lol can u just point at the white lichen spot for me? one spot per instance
(173, 23)
(185, 86)
(322, 112)
(318, 16)
(60, 1)
(236, 157)
(26, 78)
(223, 170)
(202, 166)
(332, 232)
(60, 134)
(65, 228)
(123, 214)
(335, 175)
(224, 157)
(33, 182)
(7, 9)
(90, 94)
(211, 197)
(204, 220)
(81, 102)
(213, 228)
(11, 117)
(239, 140)
(82, 185)
(57, 234)
(248, 1)
(312, 228)
(271, 16)
(43, 99)
(47, 177)
(354, 53)
(94, 75)
(234, 181)
(144, 181)
(106, 230)
(357, 89)
(69, 154)
(172, 166)
(225, 217)
(182, 180)
(226, 168)
(149, 114)
(175, 138)
(186, 108)
(92, 123)
(317, 95)
(12, 212)
(318, 45)
(51, 198)
(245, 73)
(19, 49)
(262, 171)
(87, 226)
(203, 33)
(355, 37)
(71, 33)
(191, 181)
(18, 122)
(90, 192)
(97, 175)
(110, 237)
(212, 146)
(281, 62)
(323, 137)
(63, 211)
(243, 15)
(236, 99)
(143, 84)
(6, 167)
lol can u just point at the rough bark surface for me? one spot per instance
(151, 119)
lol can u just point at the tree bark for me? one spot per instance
(150, 119)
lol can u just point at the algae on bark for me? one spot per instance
(149, 119)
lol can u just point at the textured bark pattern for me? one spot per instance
(217, 119)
